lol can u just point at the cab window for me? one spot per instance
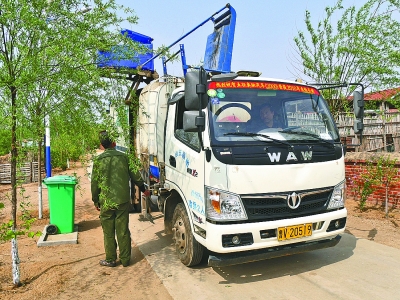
(190, 139)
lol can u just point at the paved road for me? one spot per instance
(354, 269)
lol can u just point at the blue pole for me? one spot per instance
(48, 157)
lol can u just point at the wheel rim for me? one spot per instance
(180, 235)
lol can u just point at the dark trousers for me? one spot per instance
(116, 222)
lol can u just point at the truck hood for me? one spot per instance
(245, 179)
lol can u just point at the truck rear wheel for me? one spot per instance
(189, 251)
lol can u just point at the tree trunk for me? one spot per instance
(14, 156)
(39, 176)
(15, 262)
(386, 200)
(383, 116)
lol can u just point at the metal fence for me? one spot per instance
(27, 172)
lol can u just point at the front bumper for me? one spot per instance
(223, 260)
(215, 232)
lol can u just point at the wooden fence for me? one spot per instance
(28, 172)
(381, 132)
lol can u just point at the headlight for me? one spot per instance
(223, 206)
(338, 196)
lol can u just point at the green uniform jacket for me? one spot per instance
(110, 177)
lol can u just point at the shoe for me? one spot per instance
(105, 263)
(126, 264)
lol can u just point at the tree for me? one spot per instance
(363, 47)
(48, 65)
(386, 174)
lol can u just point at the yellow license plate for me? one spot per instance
(294, 232)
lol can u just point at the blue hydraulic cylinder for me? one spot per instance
(183, 59)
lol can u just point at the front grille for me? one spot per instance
(268, 207)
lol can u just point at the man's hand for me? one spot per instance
(147, 193)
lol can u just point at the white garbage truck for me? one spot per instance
(243, 168)
(228, 183)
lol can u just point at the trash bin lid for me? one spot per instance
(60, 179)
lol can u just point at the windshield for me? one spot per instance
(281, 111)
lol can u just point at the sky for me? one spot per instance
(264, 32)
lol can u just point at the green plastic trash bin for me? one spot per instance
(61, 194)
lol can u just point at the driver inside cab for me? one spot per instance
(267, 116)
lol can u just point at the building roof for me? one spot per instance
(382, 95)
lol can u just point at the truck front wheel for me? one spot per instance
(190, 251)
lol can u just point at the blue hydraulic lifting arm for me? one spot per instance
(219, 46)
(217, 56)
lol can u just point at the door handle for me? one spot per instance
(172, 161)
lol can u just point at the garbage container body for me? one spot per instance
(61, 195)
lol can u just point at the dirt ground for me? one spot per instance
(73, 271)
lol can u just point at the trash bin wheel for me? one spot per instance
(51, 229)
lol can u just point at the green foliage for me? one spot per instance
(72, 140)
(134, 161)
(395, 102)
(366, 190)
(7, 231)
(118, 125)
(10, 230)
(106, 203)
(386, 173)
(364, 184)
(101, 180)
(380, 171)
(5, 141)
(374, 105)
(362, 47)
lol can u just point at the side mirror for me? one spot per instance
(358, 107)
(358, 126)
(193, 122)
(195, 85)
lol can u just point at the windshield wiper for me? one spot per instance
(307, 134)
(259, 134)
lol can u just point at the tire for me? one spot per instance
(189, 251)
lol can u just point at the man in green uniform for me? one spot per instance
(111, 196)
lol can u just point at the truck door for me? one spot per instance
(184, 162)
